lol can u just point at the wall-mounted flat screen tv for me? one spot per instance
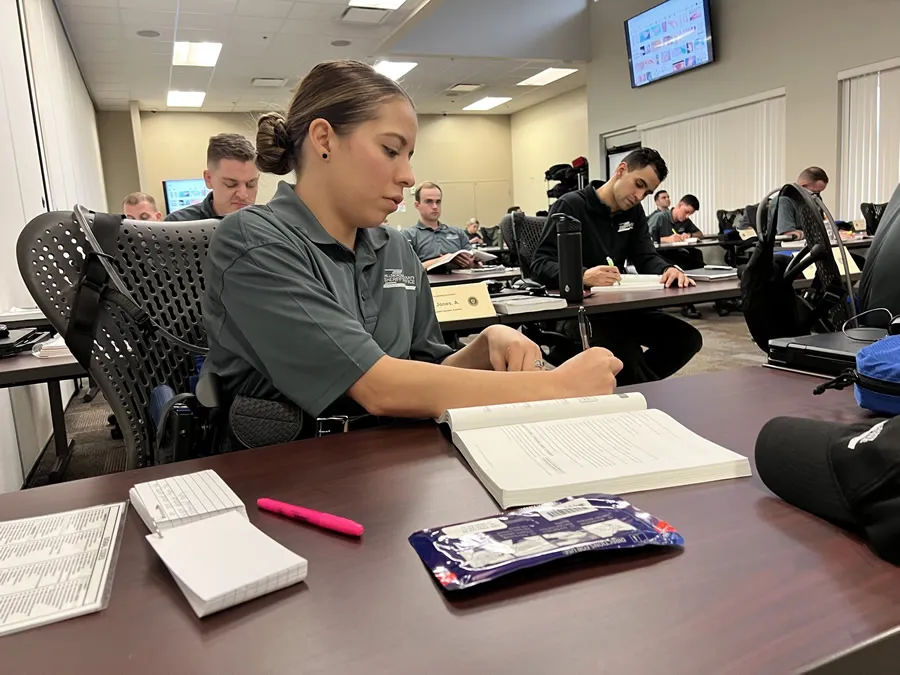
(181, 193)
(667, 40)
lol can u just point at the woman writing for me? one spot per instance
(308, 301)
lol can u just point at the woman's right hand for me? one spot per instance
(591, 373)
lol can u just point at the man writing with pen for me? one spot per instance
(614, 229)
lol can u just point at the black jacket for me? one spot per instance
(620, 236)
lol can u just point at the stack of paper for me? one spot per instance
(524, 304)
(51, 348)
(201, 532)
(632, 282)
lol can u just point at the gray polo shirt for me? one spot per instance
(662, 224)
(199, 211)
(428, 243)
(291, 313)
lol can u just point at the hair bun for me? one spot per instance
(274, 148)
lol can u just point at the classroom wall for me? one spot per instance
(117, 152)
(553, 132)
(470, 156)
(762, 45)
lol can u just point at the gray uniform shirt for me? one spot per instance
(428, 243)
(199, 211)
(291, 313)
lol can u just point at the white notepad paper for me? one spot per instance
(172, 502)
(224, 560)
(200, 530)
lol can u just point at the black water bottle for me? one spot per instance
(568, 245)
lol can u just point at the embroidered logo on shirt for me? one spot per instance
(624, 227)
(396, 279)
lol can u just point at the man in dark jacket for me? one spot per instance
(613, 229)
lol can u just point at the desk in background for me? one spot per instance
(508, 274)
(760, 586)
(25, 369)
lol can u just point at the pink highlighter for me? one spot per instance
(317, 518)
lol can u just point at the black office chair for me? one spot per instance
(872, 213)
(160, 266)
(490, 235)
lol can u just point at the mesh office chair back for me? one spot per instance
(872, 213)
(527, 231)
(161, 266)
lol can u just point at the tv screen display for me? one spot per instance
(181, 193)
(669, 39)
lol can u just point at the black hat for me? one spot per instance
(848, 474)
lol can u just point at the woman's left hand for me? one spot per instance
(511, 351)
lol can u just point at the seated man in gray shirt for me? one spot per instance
(232, 176)
(812, 178)
(431, 238)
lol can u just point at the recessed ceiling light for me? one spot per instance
(203, 54)
(465, 87)
(185, 99)
(341, 43)
(546, 77)
(273, 82)
(148, 33)
(488, 102)
(394, 69)
(377, 4)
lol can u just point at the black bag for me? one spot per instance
(771, 306)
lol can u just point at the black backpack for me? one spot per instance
(771, 306)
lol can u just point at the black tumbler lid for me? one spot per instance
(565, 224)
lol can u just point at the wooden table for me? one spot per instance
(25, 369)
(509, 273)
(761, 587)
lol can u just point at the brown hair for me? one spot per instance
(814, 174)
(426, 185)
(136, 198)
(343, 93)
(229, 146)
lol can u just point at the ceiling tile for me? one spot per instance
(185, 78)
(94, 31)
(190, 21)
(92, 3)
(158, 5)
(91, 14)
(166, 35)
(209, 6)
(146, 19)
(255, 24)
(190, 35)
(264, 8)
(317, 10)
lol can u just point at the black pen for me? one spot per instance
(584, 329)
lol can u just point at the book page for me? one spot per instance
(183, 499)
(563, 452)
(463, 419)
(226, 557)
(58, 566)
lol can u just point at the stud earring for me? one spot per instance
(324, 155)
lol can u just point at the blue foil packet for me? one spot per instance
(468, 554)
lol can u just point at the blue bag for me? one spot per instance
(876, 378)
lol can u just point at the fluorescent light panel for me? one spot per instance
(377, 4)
(547, 76)
(394, 69)
(185, 99)
(203, 54)
(488, 102)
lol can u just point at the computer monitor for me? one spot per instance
(184, 192)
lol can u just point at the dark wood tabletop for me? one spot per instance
(760, 586)
(450, 278)
(24, 368)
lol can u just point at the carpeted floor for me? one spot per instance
(726, 345)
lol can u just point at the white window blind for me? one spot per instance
(870, 140)
(727, 159)
(66, 113)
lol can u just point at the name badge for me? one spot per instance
(625, 227)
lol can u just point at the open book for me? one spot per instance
(633, 282)
(201, 532)
(442, 262)
(529, 453)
